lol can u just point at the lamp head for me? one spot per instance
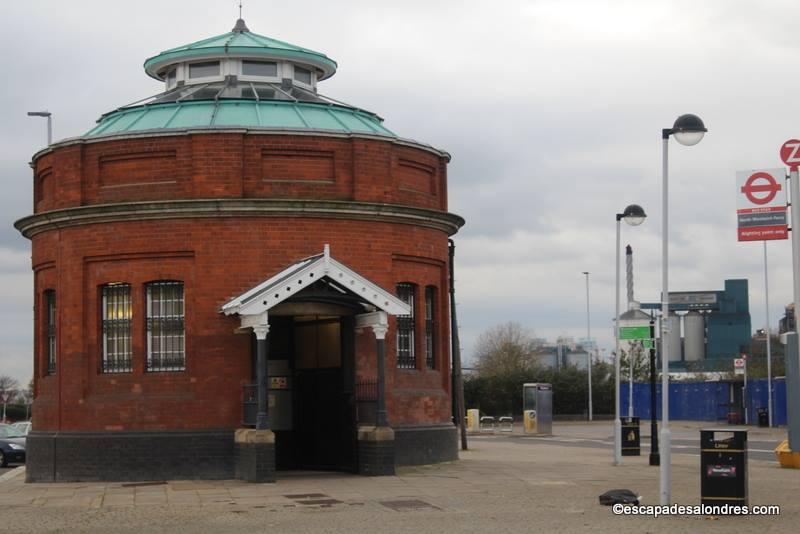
(39, 114)
(634, 215)
(688, 129)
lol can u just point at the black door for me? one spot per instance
(324, 421)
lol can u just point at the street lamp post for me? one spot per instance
(588, 341)
(49, 123)
(655, 458)
(688, 130)
(633, 215)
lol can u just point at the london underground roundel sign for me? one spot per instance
(760, 188)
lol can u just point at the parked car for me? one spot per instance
(12, 446)
(22, 426)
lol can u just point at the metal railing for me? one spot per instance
(249, 404)
(366, 397)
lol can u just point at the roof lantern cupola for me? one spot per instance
(240, 79)
(243, 54)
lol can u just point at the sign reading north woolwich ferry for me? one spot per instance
(761, 205)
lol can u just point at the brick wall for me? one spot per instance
(238, 165)
(219, 258)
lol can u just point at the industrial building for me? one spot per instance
(565, 352)
(708, 329)
(239, 274)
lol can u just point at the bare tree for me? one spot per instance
(504, 349)
(25, 396)
(7, 383)
(641, 362)
(8, 389)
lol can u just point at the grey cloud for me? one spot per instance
(552, 112)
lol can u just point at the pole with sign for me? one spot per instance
(744, 392)
(790, 155)
(638, 337)
(769, 350)
(761, 214)
(740, 368)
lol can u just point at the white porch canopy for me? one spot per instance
(253, 305)
(253, 309)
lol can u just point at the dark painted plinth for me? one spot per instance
(422, 445)
(255, 455)
(376, 451)
(129, 456)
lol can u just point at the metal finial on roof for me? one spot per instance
(240, 26)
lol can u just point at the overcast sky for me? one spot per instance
(552, 111)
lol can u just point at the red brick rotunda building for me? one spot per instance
(239, 275)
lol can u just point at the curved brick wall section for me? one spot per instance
(216, 259)
(239, 165)
(221, 212)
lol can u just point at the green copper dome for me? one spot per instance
(250, 114)
(240, 80)
(240, 42)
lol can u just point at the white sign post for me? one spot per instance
(761, 213)
(761, 205)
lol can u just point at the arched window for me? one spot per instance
(117, 311)
(430, 327)
(406, 358)
(165, 326)
(50, 329)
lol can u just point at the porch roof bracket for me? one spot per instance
(304, 273)
(378, 321)
(258, 322)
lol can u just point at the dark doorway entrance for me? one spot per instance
(312, 410)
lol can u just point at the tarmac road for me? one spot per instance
(756, 450)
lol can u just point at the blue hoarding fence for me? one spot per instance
(710, 401)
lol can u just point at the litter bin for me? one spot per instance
(763, 417)
(630, 436)
(723, 466)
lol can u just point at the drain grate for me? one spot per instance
(141, 484)
(409, 505)
(313, 499)
(320, 502)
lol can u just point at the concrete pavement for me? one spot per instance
(509, 485)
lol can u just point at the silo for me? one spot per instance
(674, 337)
(578, 359)
(548, 359)
(694, 336)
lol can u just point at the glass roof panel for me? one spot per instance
(279, 116)
(352, 122)
(320, 118)
(236, 114)
(155, 117)
(206, 93)
(192, 115)
(125, 120)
